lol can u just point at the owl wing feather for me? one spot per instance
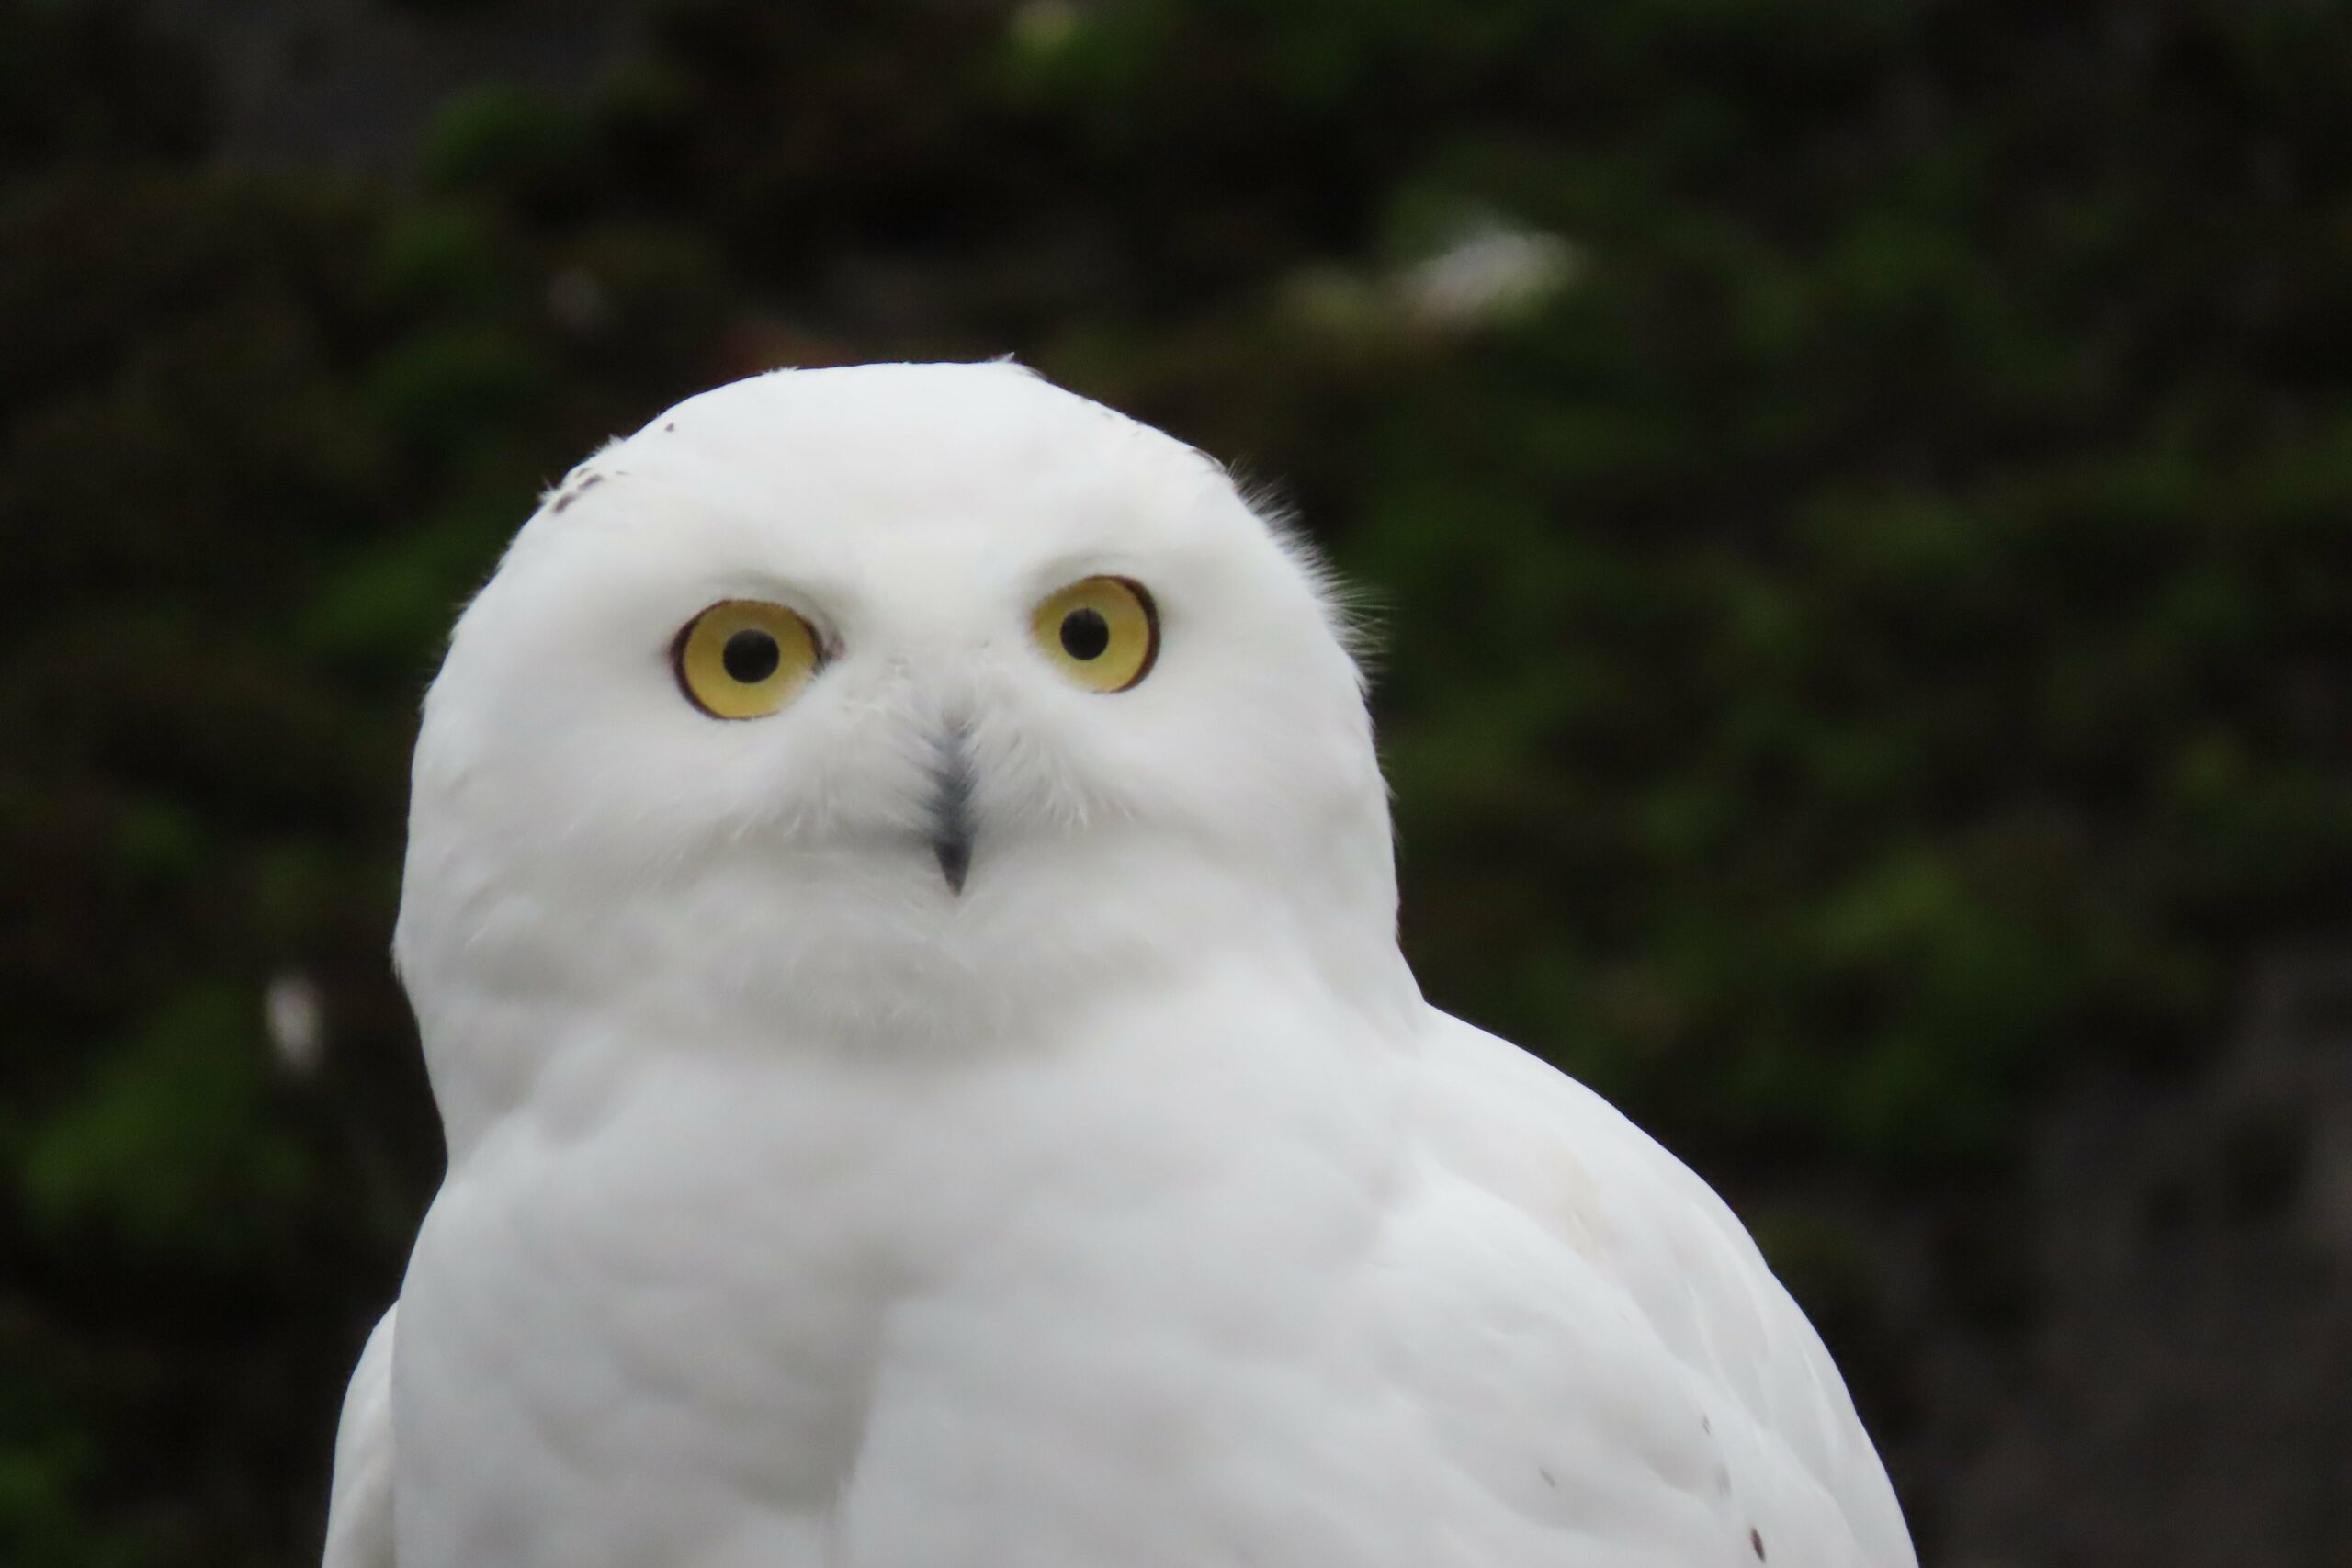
(360, 1510)
(1641, 1349)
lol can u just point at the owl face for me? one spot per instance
(847, 701)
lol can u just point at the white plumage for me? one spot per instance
(1126, 1207)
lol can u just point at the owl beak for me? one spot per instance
(951, 809)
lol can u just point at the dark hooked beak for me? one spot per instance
(951, 809)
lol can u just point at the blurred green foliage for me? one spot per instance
(1858, 495)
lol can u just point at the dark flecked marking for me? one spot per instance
(1756, 1539)
(668, 427)
(1706, 1425)
(1549, 1479)
(587, 483)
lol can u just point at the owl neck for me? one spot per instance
(517, 1003)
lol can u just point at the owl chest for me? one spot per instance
(649, 1340)
(790, 1312)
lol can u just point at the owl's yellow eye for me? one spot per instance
(1101, 632)
(743, 658)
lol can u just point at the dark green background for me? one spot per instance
(1866, 651)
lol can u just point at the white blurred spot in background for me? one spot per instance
(296, 1015)
(1488, 274)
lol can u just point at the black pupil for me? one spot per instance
(1085, 633)
(751, 656)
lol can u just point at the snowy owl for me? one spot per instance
(900, 913)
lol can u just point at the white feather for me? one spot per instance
(359, 1505)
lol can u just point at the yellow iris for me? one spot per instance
(745, 658)
(1101, 632)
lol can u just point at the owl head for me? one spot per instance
(889, 708)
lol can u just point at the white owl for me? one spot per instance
(900, 911)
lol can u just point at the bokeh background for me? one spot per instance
(1859, 493)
